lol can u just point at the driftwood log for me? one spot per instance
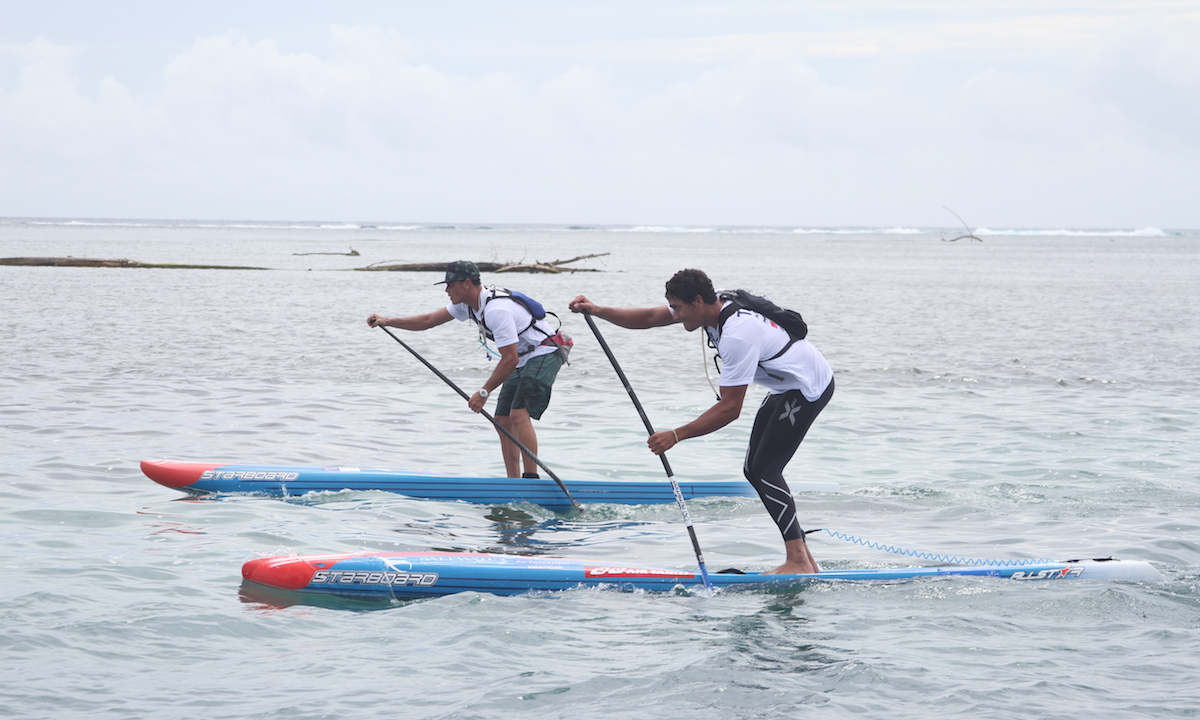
(89, 262)
(494, 267)
(556, 266)
(352, 253)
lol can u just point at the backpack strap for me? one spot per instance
(727, 312)
(505, 294)
(791, 341)
(731, 309)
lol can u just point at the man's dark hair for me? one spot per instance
(687, 285)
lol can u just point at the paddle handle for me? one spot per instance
(494, 421)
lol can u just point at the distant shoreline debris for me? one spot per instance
(536, 266)
(970, 233)
(556, 266)
(352, 253)
(91, 262)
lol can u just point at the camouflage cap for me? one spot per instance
(460, 270)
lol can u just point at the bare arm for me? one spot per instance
(632, 318)
(412, 322)
(727, 409)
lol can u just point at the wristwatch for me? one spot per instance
(483, 393)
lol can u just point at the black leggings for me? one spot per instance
(780, 425)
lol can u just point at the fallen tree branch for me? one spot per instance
(970, 233)
(578, 257)
(90, 262)
(426, 267)
(352, 253)
(533, 267)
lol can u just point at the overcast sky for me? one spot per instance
(1047, 114)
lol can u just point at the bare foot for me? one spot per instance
(789, 568)
(799, 560)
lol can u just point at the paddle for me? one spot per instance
(687, 518)
(501, 428)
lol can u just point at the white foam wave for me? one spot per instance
(1148, 232)
(269, 226)
(739, 230)
(1063, 232)
(859, 231)
(92, 223)
(664, 229)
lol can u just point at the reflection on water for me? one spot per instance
(515, 531)
(261, 597)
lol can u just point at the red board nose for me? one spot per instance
(287, 573)
(176, 474)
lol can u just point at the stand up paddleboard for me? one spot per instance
(212, 478)
(409, 575)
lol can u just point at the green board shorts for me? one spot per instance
(528, 388)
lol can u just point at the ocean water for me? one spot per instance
(1035, 394)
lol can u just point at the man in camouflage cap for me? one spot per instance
(530, 350)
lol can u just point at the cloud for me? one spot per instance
(1149, 78)
(49, 118)
(744, 129)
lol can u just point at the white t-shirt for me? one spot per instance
(505, 319)
(746, 342)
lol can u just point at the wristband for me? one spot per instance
(483, 393)
(676, 436)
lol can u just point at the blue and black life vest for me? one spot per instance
(789, 320)
(536, 312)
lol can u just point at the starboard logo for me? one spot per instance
(248, 475)
(1072, 571)
(602, 571)
(364, 577)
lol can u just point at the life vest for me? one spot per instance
(789, 320)
(536, 310)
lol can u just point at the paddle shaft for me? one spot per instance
(687, 518)
(494, 421)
